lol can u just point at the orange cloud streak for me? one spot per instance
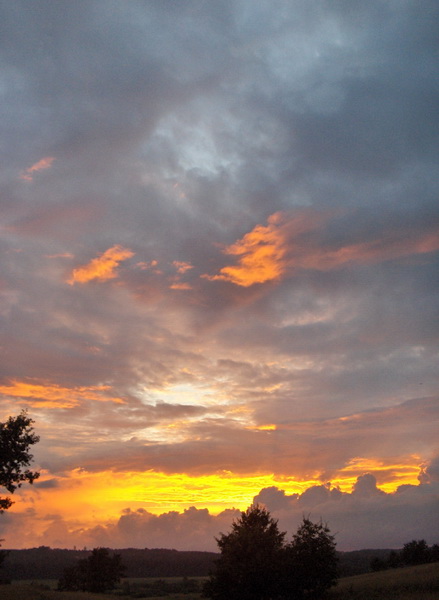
(41, 165)
(55, 396)
(368, 252)
(103, 267)
(267, 253)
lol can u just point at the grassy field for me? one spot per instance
(36, 591)
(410, 583)
(133, 588)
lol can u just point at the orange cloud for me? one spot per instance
(55, 396)
(262, 256)
(269, 252)
(181, 266)
(41, 165)
(180, 286)
(103, 267)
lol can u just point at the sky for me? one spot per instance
(219, 242)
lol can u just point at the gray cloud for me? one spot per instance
(174, 130)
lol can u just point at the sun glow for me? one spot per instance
(390, 475)
(102, 496)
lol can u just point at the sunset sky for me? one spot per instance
(219, 267)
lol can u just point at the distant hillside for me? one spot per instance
(47, 563)
(358, 561)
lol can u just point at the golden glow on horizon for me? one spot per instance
(98, 496)
(103, 267)
(49, 395)
(105, 494)
(390, 475)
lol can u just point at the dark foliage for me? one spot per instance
(356, 562)
(97, 573)
(16, 436)
(416, 552)
(310, 562)
(256, 563)
(3, 555)
(47, 563)
(248, 565)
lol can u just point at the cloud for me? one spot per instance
(293, 242)
(261, 255)
(41, 165)
(103, 267)
(260, 185)
(49, 395)
(358, 521)
(369, 518)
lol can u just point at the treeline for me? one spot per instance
(47, 563)
(416, 552)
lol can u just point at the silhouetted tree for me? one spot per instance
(248, 566)
(16, 436)
(310, 561)
(416, 552)
(3, 555)
(434, 550)
(97, 573)
(256, 564)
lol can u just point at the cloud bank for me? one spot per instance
(219, 233)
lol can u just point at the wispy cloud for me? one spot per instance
(41, 165)
(292, 242)
(103, 267)
(49, 395)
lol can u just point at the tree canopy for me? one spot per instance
(257, 564)
(247, 567)
(16, 437)
(97, 573)
(310, 562)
